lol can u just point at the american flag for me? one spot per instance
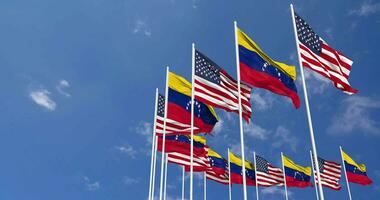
(330, 174)
(200, 163)
(220, 178)
(172, 126)
(267, 174)
(215, 87)
(321, 58)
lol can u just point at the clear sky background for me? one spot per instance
(77, 89)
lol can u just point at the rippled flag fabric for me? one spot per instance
(259, 70)
(267, 174)
(356, 173)
(320, 57)
(182, 144)
(215, 87)
(237, 171)
(179, 106)
(329, 172)
(296, 175)
(218, 168)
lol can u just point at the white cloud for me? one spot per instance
(61, 86)
(328, 32)
(355, 115)
(218, 128)
(145, 129)
(41, 97)
(270, 191)
(261, 100)
(91, 186)
(141, 27)
(315, 82)
(283, 137)
(127, 149)
(256, 131)
(130, 181)
(366, 8)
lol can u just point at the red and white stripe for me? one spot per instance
(331, 64)
(274, 177)
(220, 178)
(330, 175)
(173, 127)
(225, 95)
(184, 160)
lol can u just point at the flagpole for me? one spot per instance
(204, 186)
(154, 167)
(345, 172)
(164, 134)
(240, 113)
(283, 170)
(312, 168)
(314, 148)
(257, 185)
(166, 174)
(183, 182)
(229, 176)
(153, 145)
(192, 120)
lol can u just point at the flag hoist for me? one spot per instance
(163, 136)
(240, 112)
(310, 123)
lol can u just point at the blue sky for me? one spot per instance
(78, 80)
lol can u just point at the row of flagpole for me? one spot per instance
(313, 153)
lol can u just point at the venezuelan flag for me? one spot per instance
(259, 70)
(356, 173)
(217, 162)
(236, 171)
(179, 106)
(182, 143)
(296, 175)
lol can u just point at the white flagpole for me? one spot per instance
(229, 176)
(183, 182)
(153, 145)
(283, 170)
(154, 167)
(257, 185)
(166, 174)
(164, 134)
(313, 145)
(345, 173)
(240, 113)
(192, 120)
(315, 180)
(204, 186)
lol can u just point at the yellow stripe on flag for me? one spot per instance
(350, 161)
(249, 44)
(237, 161)
(199, 139)
(213, 154)
(290, 164)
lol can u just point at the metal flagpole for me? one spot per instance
(283, 170)
(166, 174)
(164, 134)
(313, 145)
(192, 120)
(154, 167)
(240, 113)
(229, 176)
(204, 186)
(312, 168)
(153, 145)
(345, 172)
(183, 182)
(257, 185)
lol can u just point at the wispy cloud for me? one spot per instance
(145, 129)
(130, 180)
(329, 34)
(91, 186)
(127, 149)
(256, 131)
(366, 8)
(42, 98)
(141, 27)
(355, 114)
(271, 191)
(62, 85)
(261, 100)
(316, 82)
(283, 137)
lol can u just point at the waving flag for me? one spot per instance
(267, 174)
(215, 87)
(296, 175)
(356, 173)
(218, 168)
(200, 162)
(237, 171)
(317, 55)
(182, 144)
(259, 70)
(220, 178)
(330, 173)
(179, 106)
